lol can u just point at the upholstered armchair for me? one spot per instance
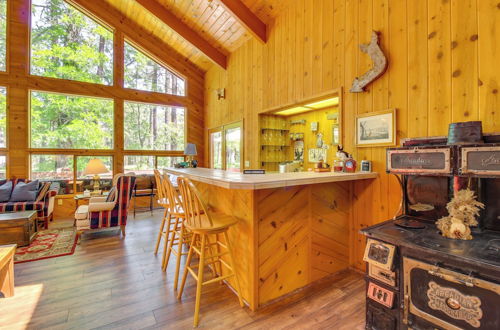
(110, 211)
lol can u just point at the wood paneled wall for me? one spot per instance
(442, 68)
(19, 82)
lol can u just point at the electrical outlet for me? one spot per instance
(59, 202)
(247, 163)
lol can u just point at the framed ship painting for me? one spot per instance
(376, 129)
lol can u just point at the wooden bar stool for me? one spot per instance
(206, 230)
(168, 220)
(179, 236)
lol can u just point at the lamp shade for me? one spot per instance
(95, 166)
(190, 149)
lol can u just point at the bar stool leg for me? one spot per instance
(169, 242)
(188, 261)
(162, 226)
(200, 281)
(233, 265)
(179, 256)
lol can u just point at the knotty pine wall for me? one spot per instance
(443, 67)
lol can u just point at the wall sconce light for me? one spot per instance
(221, 93)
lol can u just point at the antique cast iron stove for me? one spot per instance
(417, 278)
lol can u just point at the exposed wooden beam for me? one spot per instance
(105, 12)
(184, 31)
(247, 18)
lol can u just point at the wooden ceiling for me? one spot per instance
(208, 18)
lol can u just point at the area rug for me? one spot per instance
(49, 243)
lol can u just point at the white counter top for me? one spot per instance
(236, 180)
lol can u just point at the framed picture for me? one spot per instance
(375, 129)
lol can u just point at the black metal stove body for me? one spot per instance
(417, 278)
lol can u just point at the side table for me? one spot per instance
(7, 269)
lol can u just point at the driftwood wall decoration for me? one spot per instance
(379, 64)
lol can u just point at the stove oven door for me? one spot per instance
(448, 299)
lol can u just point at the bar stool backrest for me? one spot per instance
(174, 202)
(160, 191)
(194, 207)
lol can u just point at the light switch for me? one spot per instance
(59, 202)
(247, 163)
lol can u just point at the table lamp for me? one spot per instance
(95, 167)
(190, 151)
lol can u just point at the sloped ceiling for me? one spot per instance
(208, 18)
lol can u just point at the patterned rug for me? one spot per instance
(49, 243)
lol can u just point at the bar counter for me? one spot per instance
(294, 228)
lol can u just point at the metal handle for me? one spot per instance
(436, 271)
(406, 303)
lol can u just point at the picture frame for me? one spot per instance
(376, 129)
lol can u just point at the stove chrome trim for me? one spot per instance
(449, 275)
(444, 150)
(465, 157)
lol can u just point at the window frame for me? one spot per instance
(158, 61)
(89, 15)
(76, 151)
(115, 91)
(155, 157)
(7, 39)
(223, 129)
(149, 151)
(7, 135)
(74, 169)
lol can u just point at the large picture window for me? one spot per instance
(143, 73)
(67, 44)
(154, 127)
(60, 121)
(58, 169)
(3, 167)
(3, 117)
(3, 34)
(147, 164)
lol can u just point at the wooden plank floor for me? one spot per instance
(111, 282)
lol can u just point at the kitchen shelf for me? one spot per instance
(275, 129)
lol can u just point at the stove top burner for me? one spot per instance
(493, 247)
(409, 223)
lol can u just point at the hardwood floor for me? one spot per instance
(114, 282)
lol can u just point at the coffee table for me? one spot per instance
(17, 227)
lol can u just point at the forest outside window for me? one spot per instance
(3, 34)
(147, 164)
(3, 117)
(67, 44)
(60, 121)
(144, 73)
(154, 127)
(3, 167)
(58, 169)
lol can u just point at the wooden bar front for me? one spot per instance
(287, 237)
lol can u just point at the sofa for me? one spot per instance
(43, 204)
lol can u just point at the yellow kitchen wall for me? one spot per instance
(310, 137)
(443, 67)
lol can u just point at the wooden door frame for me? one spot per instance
(223, 129)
